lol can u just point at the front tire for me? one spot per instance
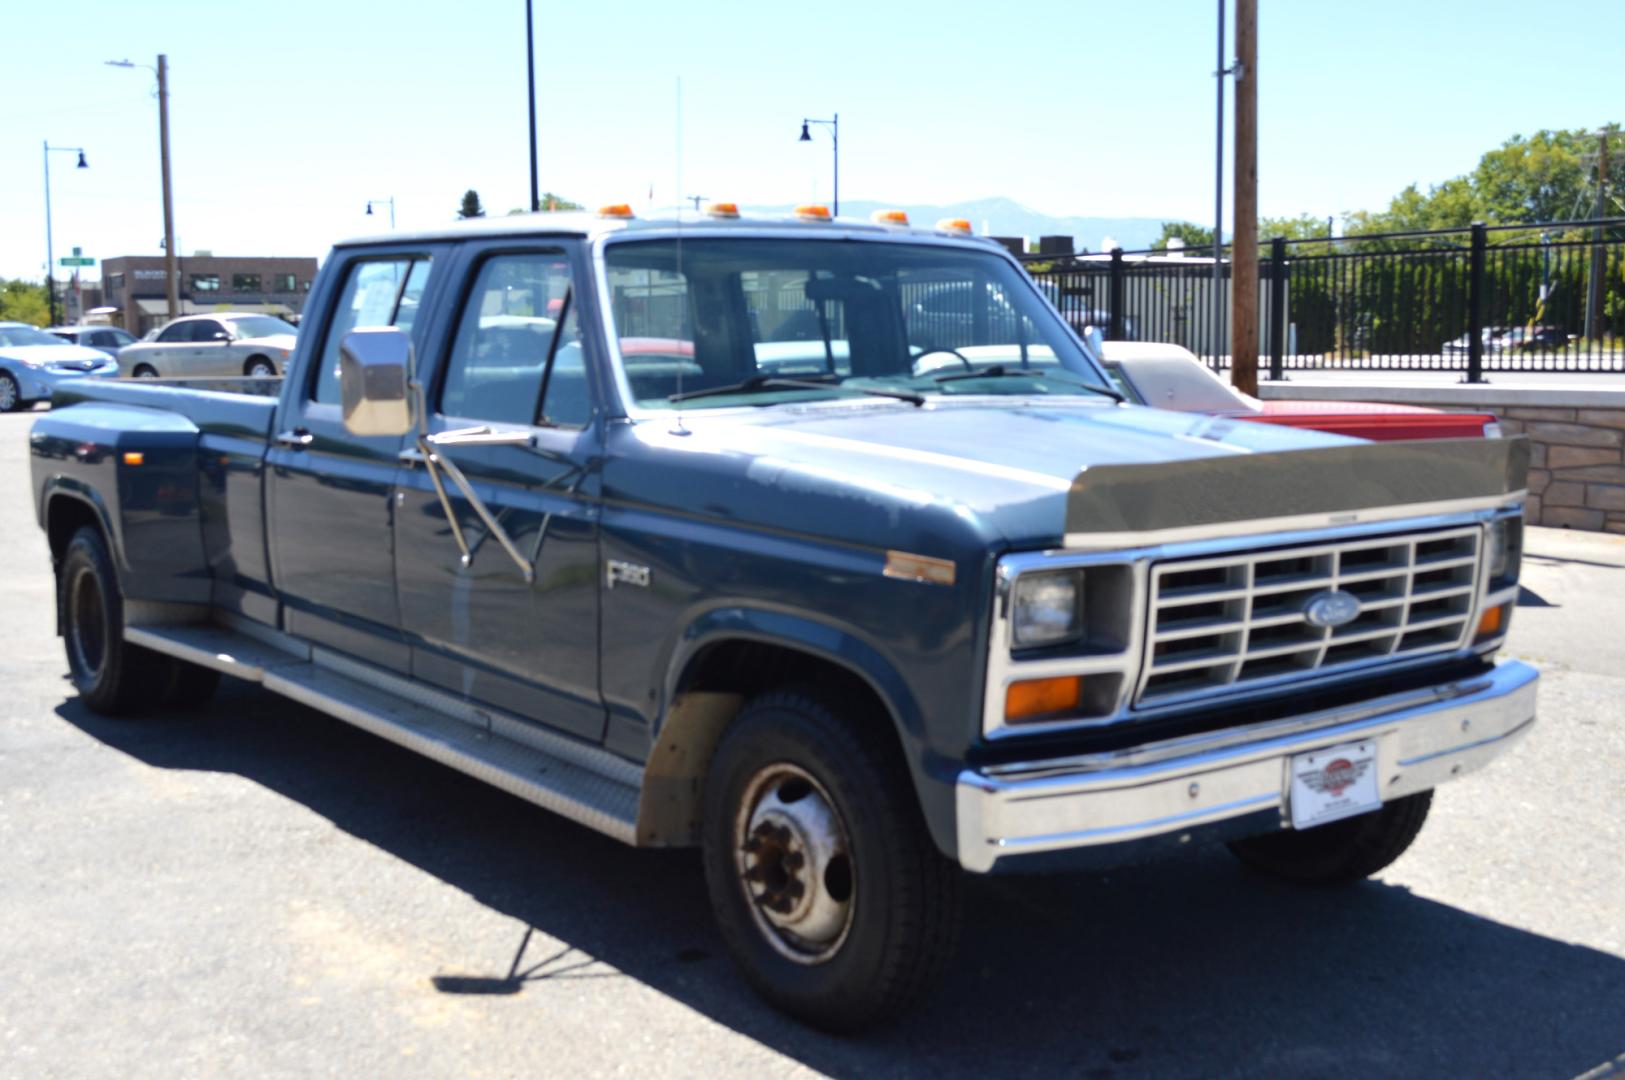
(146, 372)
(829, 891)
(1340, 852)
(258, 367)
(11, 395)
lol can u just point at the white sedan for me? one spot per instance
(228, 343)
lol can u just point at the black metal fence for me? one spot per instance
(1475, 300)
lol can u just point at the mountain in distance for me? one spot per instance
(1006, 217)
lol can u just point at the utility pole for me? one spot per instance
(1244, 221)
(1220, 70)
(171, 270)
(1594, 292)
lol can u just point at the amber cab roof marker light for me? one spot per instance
(619, 211)
(812, 212)
(722, 210)
(889, 217)
(958, 225)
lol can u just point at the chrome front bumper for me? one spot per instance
(1424, 738)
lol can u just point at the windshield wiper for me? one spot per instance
(775, 382)
(999, 371)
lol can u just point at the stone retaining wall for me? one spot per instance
(1577, 466)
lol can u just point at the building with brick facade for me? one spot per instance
(134, 285)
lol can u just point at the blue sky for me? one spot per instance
(288, 117)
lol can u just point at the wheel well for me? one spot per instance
(64, 516)
(257, 356)
(717, 682)
(139, 368)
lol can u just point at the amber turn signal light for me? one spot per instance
(134, 457)
(1042, 697)
(1492, 622)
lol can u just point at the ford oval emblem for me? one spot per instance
(1332, 609)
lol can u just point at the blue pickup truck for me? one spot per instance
(823, 546)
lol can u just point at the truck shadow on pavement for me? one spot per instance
(1194, 967)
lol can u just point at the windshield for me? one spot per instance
(27, 335)
(251, 326)
(847, 316)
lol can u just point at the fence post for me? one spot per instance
(1277, 308)
(1475, 304)
(1114, 298)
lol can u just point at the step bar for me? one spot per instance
(583, 783)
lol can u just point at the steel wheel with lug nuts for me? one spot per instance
(790, 847)
(11, 395)
(827, 887)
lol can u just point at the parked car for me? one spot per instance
(849, 615)
(1533, 339)
(1490, 336)
(230, 343)
(33, 363)
(1171, 377)
(109, 339)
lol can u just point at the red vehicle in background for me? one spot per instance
(1171, 377)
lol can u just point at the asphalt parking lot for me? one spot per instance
(259, 890)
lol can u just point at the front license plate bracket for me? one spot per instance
(1332, 784)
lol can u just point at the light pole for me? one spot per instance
(171, 273)
(530, 82)
(835, 140)
(50, 256)
(390, 202)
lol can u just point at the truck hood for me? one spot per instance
(999, 469)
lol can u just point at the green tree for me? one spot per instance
(1194, 236)
(1301, 227)
(24, 301)
(551, 201)
(471, 207)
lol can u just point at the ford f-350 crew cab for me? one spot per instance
(707, 531)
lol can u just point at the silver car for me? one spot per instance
(107, 339)
(32, 362)
(227, 343)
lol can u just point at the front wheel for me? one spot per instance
(1340, 852)
(145, 372)
(830, 894)
(259, 367)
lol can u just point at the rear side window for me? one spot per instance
(377, 292)
(517, 354)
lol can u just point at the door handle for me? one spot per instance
(297, 439)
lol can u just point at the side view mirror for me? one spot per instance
(375, 367)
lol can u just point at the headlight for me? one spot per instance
(1047, 608)
(1506, 540)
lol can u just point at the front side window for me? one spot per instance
(517, 336)
(723, 317)
(205, 282)
(377, 292)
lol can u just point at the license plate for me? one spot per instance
(1332, 784)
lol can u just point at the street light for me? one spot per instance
(50, 255)
(835, 140)
(390, 202)
(171, 274)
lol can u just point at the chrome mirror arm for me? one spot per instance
(435, 463)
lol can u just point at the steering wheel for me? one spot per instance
(955, 353)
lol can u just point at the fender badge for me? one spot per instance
(626, 574)
(921, 568)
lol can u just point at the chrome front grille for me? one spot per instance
(1238, 622)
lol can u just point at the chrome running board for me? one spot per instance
(584, 783)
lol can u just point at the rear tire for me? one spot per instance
(11, 395)
(828, 889)
(112, 676)
(1340, 852)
